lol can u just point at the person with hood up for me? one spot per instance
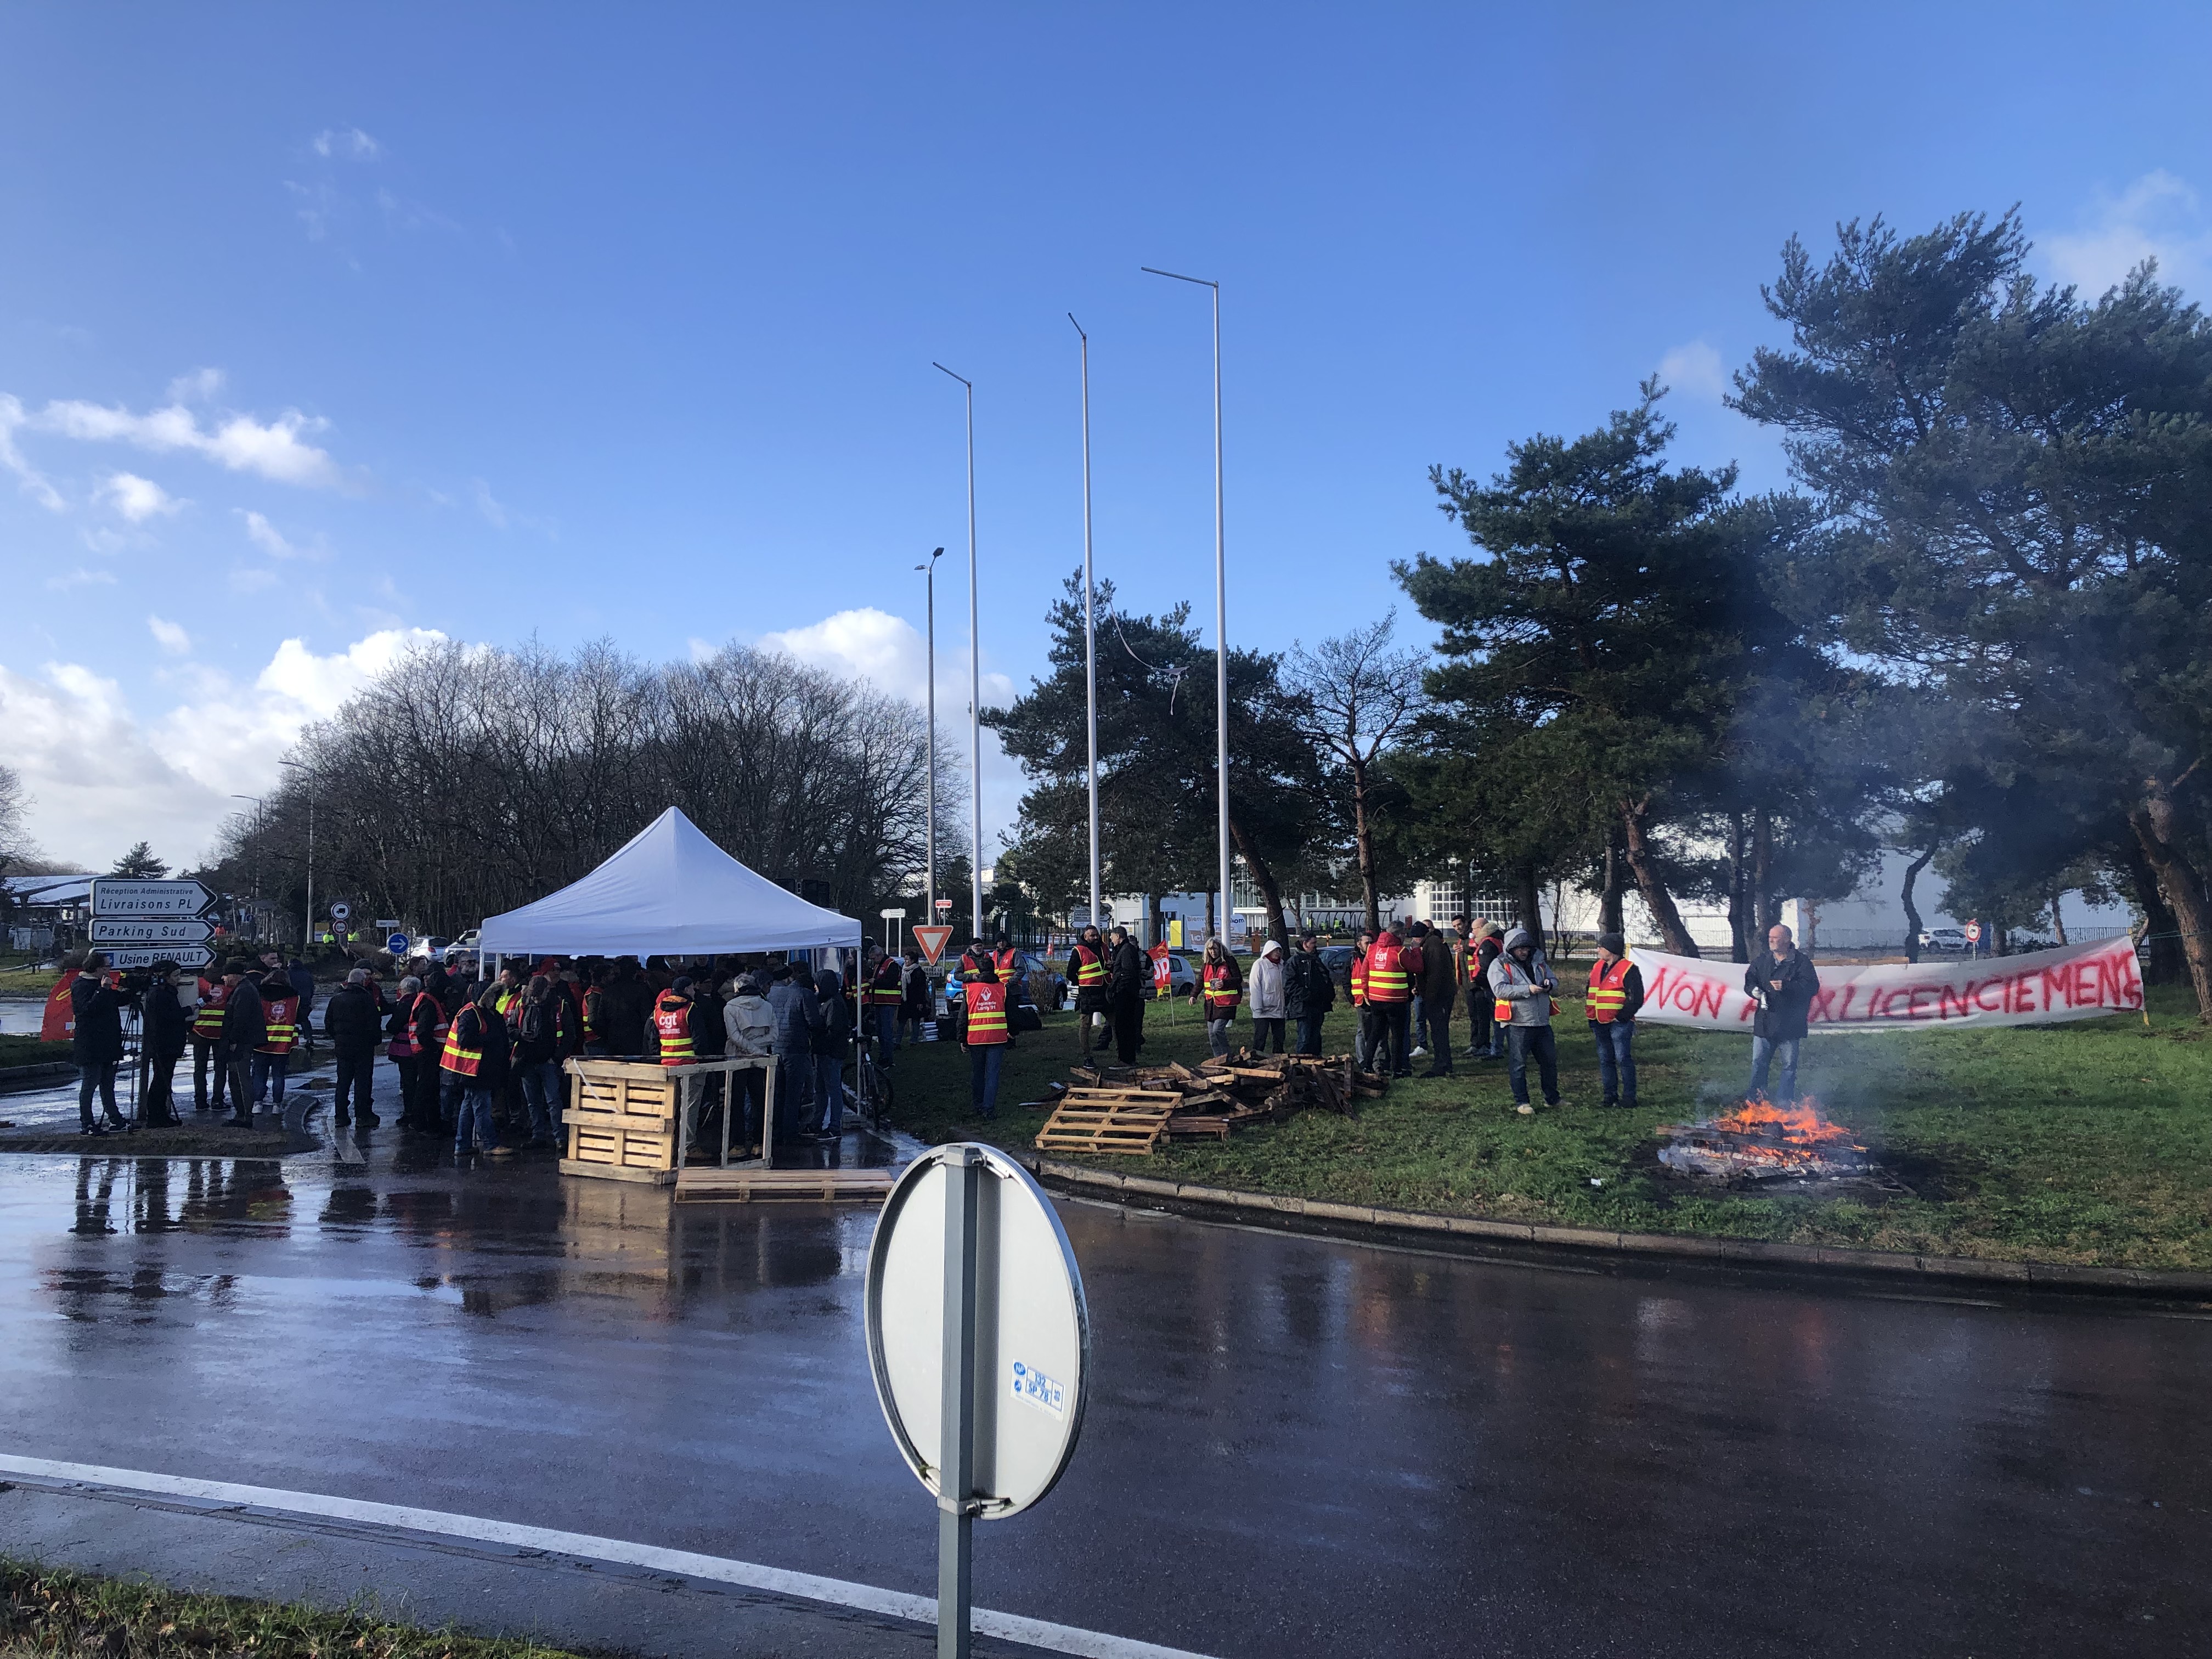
(1616, 993)
(1270, 999)
(748, 1029)
(799, 1016)
(830, 1043)
(1522, 986)
(1129, 982)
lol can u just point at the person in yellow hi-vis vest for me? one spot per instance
(1616, 993)
(1522, 986)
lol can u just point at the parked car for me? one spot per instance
(1337, 959)
(1945, 939)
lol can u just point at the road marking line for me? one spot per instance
(803, 1586)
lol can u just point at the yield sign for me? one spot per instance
(932, 940)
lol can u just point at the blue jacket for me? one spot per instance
(798, 1015)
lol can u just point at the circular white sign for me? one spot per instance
(1973, 933)
(341, 911)
(1032, 1330)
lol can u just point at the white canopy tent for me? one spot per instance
(671, 891)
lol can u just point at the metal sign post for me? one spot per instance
(891, 918)
(980, 1341)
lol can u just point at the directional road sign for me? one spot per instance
(145, 956)
(931, 941)
(396, 944)
(980, 1340)
(151, 930)
(116, 896)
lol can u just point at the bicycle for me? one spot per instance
(870, 1087)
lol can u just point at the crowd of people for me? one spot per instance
(1406, 983)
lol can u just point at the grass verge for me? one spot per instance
(23, 982)
(69, 1615)
(2088, 1143)
(16, 1050)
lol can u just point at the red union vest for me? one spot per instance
(467, 1059)
(987, 1012)
(1222, 993)
(1386, 978)
(887, 985)
(280, 1015)
(1090, 967)
(671, 1023)
(402, 1046)
(1358, 978)
(207, 1020)
(1008, 962)
(1607, 990)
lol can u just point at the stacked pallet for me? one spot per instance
(1205, 1102)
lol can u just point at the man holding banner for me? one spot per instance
(1782, 984)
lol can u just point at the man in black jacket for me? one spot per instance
(1614, 996)
(1781, 981)
(96, 1004)
(353, 1019)
(165, 1034)
(244, 1028)
(1129, 981)
(1308, 991)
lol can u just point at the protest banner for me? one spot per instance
(2075, 982)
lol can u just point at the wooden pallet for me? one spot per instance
(1127, 1122)
(743, 1186)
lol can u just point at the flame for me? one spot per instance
(1798, 1123)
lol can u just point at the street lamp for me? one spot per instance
(256, 799)
(975, 682)
(928, 568)
(1220, 599)
(1090, 631)
(307, 933)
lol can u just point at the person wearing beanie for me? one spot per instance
(1616, 993)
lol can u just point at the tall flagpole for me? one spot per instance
(974, 686)
(1089, 630)
(1220, 602)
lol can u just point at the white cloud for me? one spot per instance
(273, 541)
(68, 579)
(495, 514)
(103, 777)
(28, 479)
(196, 387)
(2158, 216)
(135, 498)
(271, 449)
(170, 636)
(1695, 368)
(346, 144)
(891, 654)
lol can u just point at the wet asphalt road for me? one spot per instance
(1293, 1447)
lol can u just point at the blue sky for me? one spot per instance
(320, 326)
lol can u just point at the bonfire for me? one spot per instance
(1760, 1140)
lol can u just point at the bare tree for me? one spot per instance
(1361, 697)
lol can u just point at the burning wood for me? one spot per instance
(1761, 1141)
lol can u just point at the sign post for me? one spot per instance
(980, 1341)
(136, 924)
(891, 932)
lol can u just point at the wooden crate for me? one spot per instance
(620, 1120)
(755, 1185)
(1127, 1122)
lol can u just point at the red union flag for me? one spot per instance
(2075, 981)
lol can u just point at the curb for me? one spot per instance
(25, 1077)
(1472, 1236)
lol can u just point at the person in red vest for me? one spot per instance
(985, 1032)
(476, 1055)
(1220, 987)
(272, 1058)
(886, 991)
(413, 1047)
(1390, 972)
(1362, 1047)
(1616, 992)
(207, 1043)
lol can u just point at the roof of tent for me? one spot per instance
(669, 890)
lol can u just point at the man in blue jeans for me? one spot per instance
(1781, 981)
(1522, 983)
(1616, 992)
